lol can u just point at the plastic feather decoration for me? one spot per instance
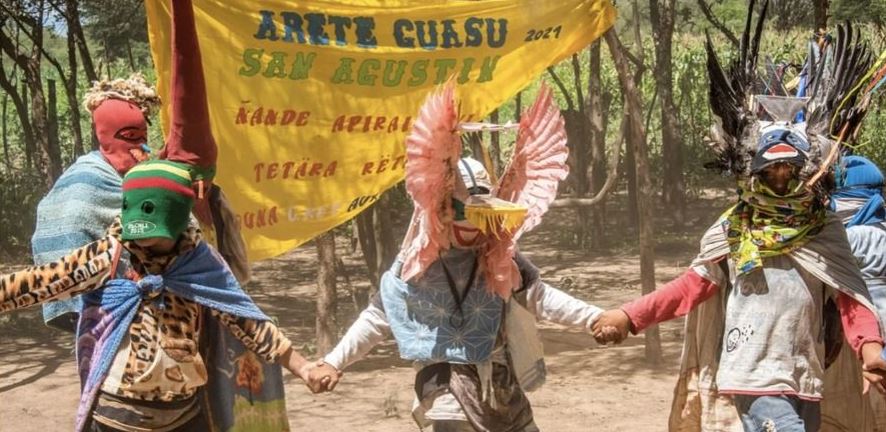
(433, 149)
(530, 181)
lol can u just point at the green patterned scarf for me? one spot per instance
(764, 224)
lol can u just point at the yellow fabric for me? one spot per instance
(160, 167)
(310, 134)
(492, 216)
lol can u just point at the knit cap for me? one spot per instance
(157, 200)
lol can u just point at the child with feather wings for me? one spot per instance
(460, 300)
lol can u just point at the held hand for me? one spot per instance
(324, 376)
(609, 334)
(301, 367)
(611, 326)
(874, 367)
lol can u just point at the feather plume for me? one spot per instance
(729, 96)
(433, 149)
(530, 181)
(840, 69)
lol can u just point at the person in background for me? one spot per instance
(85, 199)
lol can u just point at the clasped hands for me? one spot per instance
(611, 326)
(319, 376)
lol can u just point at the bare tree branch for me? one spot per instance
(24, 22)
(611, 177)
(709, 14)
(651, 108)
(576, 72)
(637, 61)
(562, 88)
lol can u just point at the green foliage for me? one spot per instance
(118, 28)
(20, 191)
(872, 11)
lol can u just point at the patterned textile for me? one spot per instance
(243, 393)
(424, 315)
(78, 210)
(764, 224)
(200, 276)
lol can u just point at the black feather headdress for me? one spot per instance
(730, 98)
(831, 110)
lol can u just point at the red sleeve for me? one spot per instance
(859, 324)
(674, 299)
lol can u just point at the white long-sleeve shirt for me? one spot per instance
(542, 300)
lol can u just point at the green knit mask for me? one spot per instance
(157, 200)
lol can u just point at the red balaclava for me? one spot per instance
(122, 133)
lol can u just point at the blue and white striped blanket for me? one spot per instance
(78, 210)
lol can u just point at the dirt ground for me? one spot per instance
(589, 387)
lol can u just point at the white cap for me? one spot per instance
(474, 174)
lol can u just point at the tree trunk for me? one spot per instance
(49, 159)
(131, 58)
(107, 61)
(376, 238)
(633, 108)
(630, 151)
(19, 102)
(52, 122)
(820, 13)
(326, 296)
(629, 167)
(30, 144)
(385, 246)
(597, 110)
(496, 146)
(6, 159)
(578, 139)
(12, 47)
(366, 238)
(518, 106)
(71, 81)
(73, 20)
(661, 14)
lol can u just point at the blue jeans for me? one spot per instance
(878, 295)
(778, 414)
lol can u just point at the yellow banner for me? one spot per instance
(311, 101)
